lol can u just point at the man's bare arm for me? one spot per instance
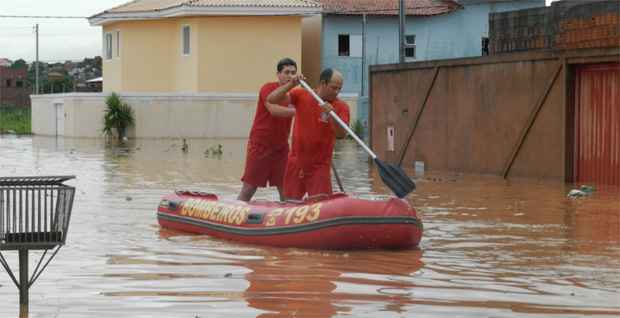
(280, 111)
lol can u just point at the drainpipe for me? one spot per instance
(401, 32)
(363, 54)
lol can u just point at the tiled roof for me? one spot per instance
(388, 7)
(157, 5)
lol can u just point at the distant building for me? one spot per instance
(5, 62)
(92, 85)
(13, 88)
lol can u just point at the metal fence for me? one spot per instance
(34, 215)
(34, 212)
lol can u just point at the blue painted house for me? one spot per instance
(440, 29)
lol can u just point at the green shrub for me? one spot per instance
(118, 116)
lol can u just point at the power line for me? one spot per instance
(17, 28)
(41, 17)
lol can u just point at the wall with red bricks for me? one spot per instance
(568, 24)
(14, 90)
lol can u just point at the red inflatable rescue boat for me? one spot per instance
(331, 222)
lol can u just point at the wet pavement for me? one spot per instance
(491, 247)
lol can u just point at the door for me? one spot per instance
(60, 119)
(597, 124)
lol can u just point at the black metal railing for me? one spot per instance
(34, 212)
(34, 215)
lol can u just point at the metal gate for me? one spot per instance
(597, 124)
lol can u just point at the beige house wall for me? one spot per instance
(158, 115)
(145, 60)
(239, 54)
(112, 68)
(227, 54)
(185, 67)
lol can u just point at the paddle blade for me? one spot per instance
(395, 178)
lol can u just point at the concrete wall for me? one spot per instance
(158, 115)
(478, 111)
(454, 35)
(228, 54)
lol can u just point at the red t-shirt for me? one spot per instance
(313, 139)
(267, 129)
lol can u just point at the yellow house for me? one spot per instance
(188, 68)
(198, 45)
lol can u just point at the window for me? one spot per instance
(19, 83)
(485, 46)
(8, 83)
(343, 45)
(186, 38)
(118, 43)
(410, 46)
(349, 45)
(355, 45)
(107, 46)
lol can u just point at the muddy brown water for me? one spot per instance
(491, 248)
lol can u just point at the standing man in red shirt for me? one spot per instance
(268, 144)
(314, 135)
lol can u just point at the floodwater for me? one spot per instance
(491, 248)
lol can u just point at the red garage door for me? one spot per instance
(597, 124)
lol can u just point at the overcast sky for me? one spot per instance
(59, 40)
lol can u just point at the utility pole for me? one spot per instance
(401, 32)
(36, 70)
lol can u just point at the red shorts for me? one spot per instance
(265, 164)
(314, 181)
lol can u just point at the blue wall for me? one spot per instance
(453, 35)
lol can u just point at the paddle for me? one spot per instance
(393, 176)
(338, 179)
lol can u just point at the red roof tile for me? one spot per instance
(388, 7)
(154, 5)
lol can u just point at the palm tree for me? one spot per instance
(118, 115)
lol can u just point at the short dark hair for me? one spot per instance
(286, 62)
(326, 75)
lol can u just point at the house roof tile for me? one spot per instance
(157, 5)
(388, 7)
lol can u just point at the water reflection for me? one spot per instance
(491, 247)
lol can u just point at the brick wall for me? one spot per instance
(568, 24)
(519, 30)
(589, 26)
(14, 90)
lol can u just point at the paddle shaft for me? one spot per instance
(338, 179)
(338, 120)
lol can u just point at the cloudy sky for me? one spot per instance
(59, 40)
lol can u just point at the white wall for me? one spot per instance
(158, 115)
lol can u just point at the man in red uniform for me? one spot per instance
(268, 144)
(314, 135)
